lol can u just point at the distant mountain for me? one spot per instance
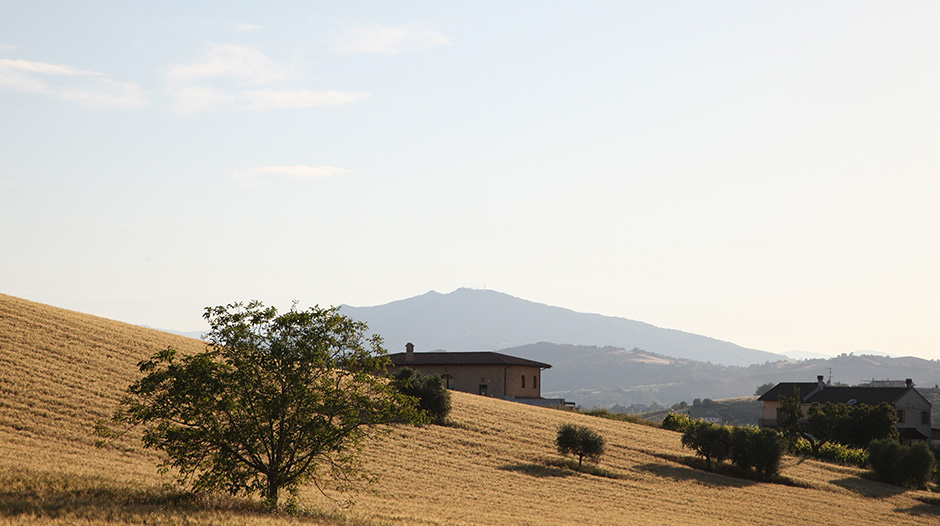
(469, 319)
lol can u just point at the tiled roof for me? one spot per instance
(785, 389)
(861, 395)
(464, 358)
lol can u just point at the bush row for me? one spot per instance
(831, 452)
(748, 448)
(900, 465)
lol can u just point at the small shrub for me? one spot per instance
(580, 441)
(676, 422)
(433, 397)
(900, 465)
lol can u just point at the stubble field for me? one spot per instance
(61, 371)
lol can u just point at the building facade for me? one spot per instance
(483, 373)
(912, 410)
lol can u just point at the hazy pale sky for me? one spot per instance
(766, 173)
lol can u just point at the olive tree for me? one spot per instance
(274, 401)
(580, 441)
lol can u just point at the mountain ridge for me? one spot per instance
(474, 319)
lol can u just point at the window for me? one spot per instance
(535, 382)
(925, 417)
(448, 381)
(523, 381)
(482, 389)
(900, 415)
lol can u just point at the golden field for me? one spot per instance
(61, 371)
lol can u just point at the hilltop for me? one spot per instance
(470, 319)
(60, 371)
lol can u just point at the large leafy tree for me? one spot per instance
(274, 401)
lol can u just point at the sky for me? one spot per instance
(764, 173)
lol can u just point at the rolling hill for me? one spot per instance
(469, 319)
(60, 371)
(607, 376)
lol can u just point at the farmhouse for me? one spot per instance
(484, 373)
(913, 411)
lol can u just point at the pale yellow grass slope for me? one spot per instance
(61, 371)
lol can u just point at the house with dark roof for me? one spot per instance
(481, 372)
(912, 410)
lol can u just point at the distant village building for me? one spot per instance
(912, 410)
(481, 372)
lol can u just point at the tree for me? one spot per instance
(854, 425)
(433, 397)
(789, 415)
(274, 401)
(712, 442)
(580, 441)
(763, 388)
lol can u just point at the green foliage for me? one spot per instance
(854, 426)
(676, 422)
(900, 465)
(831, 452)
(433, 397)
(789, 415)
(580, 441)
(710, 441)
(763, 388)
(748, 448)
(759, 449)
(274, 400)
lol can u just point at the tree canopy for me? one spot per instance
(274, 401)
(580, 441)
(433, 398)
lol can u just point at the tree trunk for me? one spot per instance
(271, 494)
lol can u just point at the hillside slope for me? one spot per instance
(608, 376)
(60, 371)
(468, 319)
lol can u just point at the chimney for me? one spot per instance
(909, 382)
(820, 382)
(409, 352)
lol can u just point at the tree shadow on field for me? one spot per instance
(929, 506)
(538, 470)
(869, 488)
(707, 478)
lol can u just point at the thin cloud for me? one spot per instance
(246, 27)
(189, 99)
(68, 83)
(385, 40)
(261, 175)
(239, 76)
(267, 99)
(8, 47)
(241, 63)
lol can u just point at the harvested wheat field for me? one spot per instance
(61, 371)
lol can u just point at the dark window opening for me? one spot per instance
(925, 417)
(482, 389)
(535, 382)
(448, 381)
(900, 415)
(523, 381)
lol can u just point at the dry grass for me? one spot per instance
(61, 371)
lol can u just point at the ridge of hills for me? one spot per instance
(608, 376)
(61, 371)
(471, 319)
